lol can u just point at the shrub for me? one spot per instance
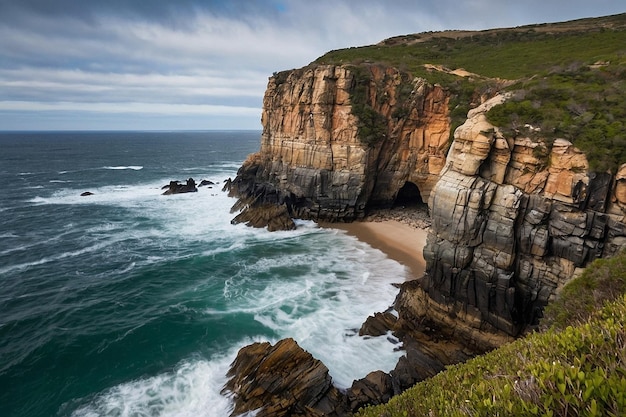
(575, 368)
(578, 371)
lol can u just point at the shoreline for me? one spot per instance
(401, 241)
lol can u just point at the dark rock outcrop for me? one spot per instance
(205, 182)
(175, 187)
(282, 380)
(274, 217)
(376, 388)
(378, 324)
(86, 194)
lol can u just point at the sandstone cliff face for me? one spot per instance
(512, 221)
(312, 158)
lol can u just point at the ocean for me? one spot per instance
(131, 303)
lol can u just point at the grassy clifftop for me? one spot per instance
(575, 368)
(569, 78)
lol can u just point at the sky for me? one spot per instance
(204, 64)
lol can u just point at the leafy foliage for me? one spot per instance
(564, 93)
(372, 126)
(576, 368)
(583, 104)
(579, 371)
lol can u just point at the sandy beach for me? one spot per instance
(400, 241)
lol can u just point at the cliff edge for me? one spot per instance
(518, 207)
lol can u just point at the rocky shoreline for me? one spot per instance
(286, 380)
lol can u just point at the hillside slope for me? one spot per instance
(577, 368)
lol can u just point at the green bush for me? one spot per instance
(575, 368)
(578, 104)
(578, 371)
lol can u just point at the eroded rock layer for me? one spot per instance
(512, 221)
(324, 162)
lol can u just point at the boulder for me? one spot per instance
(376, 388)
(378, 324)
(282, 380)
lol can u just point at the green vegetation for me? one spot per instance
(506, 54)
(576, 368)
(372, 126)
(582, 104)
(604, 281)
(570, 79)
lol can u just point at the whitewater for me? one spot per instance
(131, 303)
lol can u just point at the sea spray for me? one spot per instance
(135, 303)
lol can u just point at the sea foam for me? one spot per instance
(313, 284)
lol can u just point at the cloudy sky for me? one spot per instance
(204, 64)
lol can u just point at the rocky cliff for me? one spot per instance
(338, 140)
(514, 217)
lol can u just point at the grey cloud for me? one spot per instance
(216, 54)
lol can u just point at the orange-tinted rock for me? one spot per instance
(311, 155)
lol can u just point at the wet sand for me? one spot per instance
(399, 241)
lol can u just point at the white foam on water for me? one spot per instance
(342, 281)
(192, 389)
(121, 167)
(319, 295)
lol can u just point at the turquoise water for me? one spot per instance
(130, 303)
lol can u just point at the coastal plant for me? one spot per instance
(579, 103)
(575, 370)
(371, 125)
(578, 371)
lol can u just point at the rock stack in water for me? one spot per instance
(285, 380)
(175, 187)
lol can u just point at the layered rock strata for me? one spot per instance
(322, 161)
(282, 380)
(513, 219)
(285, 380)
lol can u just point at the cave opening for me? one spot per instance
(409, 196)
